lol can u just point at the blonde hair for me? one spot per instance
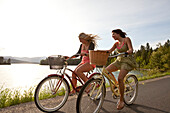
(89, 37)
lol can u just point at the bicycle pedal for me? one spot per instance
(114, 96)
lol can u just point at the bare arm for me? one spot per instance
(113, 48)
(129, 44)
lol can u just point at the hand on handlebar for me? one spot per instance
(107, 51)
(126, 53)
(83, 54)
(76, 55)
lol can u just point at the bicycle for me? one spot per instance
(91, 95)
(52, 92)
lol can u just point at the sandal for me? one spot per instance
(120, 105)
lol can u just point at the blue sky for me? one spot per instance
(50, 27)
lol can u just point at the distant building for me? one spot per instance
(5, 62)
(9, 61)
(1, 60)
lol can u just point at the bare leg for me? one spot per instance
(83, 68)
(74, 80)
(121, 76)
(111, 68)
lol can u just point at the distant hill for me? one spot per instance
(34, 60)
(20, 61)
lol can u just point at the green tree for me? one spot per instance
(139, 61)
(160, 57)
(148, 53)
(155, 60)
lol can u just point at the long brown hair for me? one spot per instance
(120, 32)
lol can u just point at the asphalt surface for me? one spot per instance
(153, 97)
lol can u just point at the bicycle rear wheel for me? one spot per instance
(131, 89)
(51, 93)
(88, 100)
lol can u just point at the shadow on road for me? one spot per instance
(136, 107)
(58, 112)
(111, 102)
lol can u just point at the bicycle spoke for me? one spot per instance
(58, 85)
(51, 86)
(88, 105)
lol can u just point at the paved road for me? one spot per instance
(153, 97)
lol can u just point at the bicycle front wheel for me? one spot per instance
(51, 93)
(91, 96)
(131, 89)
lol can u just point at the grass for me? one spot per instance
(9, 97)
(154, 76)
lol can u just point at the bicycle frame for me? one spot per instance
(77, 78)
(65, 76)
(112, 81)
(110, 77)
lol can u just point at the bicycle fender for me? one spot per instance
(56, 75)
(93, 74)
(97, 77)
(130, 74)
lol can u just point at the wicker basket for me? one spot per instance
(56, 62)
(98, 57)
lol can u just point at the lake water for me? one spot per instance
(22, 75)
(26, 75)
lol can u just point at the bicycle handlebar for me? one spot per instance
(123, 53)
(75, 55)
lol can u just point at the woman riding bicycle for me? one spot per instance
(88, 43)
(123, 63)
